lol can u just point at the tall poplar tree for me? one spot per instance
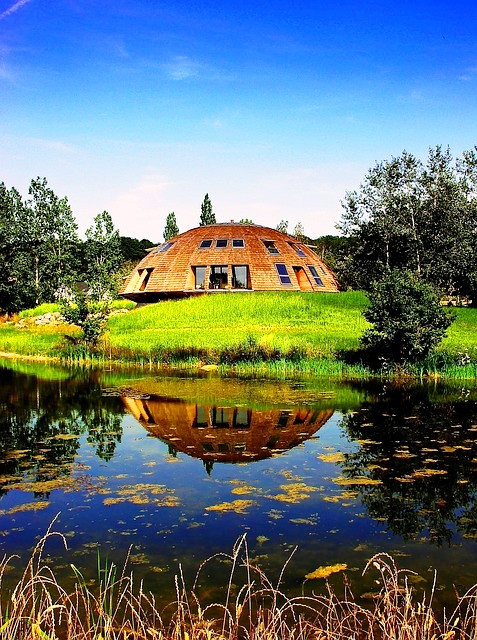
(207, 216)
(103, 255)
(171, 229)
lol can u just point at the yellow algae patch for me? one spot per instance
(64, 436)
(422, 473)
(31, 506)
(294, 492)
(358, 480)
(308, 521)
(289, 475)
(235, 506)
(332, 457)
(324, 572)
(141, 494)
(243, 490)
(447, 449)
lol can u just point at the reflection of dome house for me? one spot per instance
(226, 434)
(228, 257)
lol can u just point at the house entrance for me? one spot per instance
(302, 279)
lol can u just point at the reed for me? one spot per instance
(116, 608)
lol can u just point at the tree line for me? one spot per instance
(414, 216)
(41, 253)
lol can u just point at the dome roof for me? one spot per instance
(228, 257)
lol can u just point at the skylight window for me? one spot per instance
(221, 244)
(271, 247)
(315, 275)
(299, 251)
(283, 274)
(238, 243)
(162, 248)
(205, 244)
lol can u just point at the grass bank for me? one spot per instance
(278, 333)
(254, 607)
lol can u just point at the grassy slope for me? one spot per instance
(321, 324)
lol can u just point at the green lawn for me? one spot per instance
(317, 325)
(321, 324)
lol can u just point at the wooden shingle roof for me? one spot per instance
(228, 257)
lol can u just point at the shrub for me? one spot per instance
(88, 315)
(408, 321)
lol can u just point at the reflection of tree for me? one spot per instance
(424, 454)
(36, 415)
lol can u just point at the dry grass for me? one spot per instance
(117, 609)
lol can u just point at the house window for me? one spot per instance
(199, 275)
(299, 251)
(315, 275)
(283, 274)
(144, 275)
(201, 421)
(271, 248)
(221, 244)
(238, 243)
(164, 247)
(205, 244)
(220, 417)
(240, 277)
(242, 418)
(218, 277)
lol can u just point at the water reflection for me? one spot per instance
(341, 471)
(417, 457)
(225, 434)
(41, 422)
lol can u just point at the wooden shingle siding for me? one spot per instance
(172, 270)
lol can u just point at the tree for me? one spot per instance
(245, 221)
(133, 249)
(408, 321)
(103, 254)
(418, 217)
(171, 228)
(206, 214)
(283, 226)
(299, 232)
(47, 234)
(12, 294)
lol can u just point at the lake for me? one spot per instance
(168, 470)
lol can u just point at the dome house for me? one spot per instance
(227, 257)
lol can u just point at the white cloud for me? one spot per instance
(17, 5)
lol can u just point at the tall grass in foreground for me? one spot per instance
(117, 609)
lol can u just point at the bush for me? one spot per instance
(408, 321)
(88, 315)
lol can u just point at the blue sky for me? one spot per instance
(275, 108)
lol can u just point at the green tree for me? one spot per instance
(103, 254)
(207, 216)
(12, 293)
(283, 226)
(299, 232)
(245, 221)
(408, 321)
(171, 228)
(45, 239)
(414, 216)
(133, 249)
